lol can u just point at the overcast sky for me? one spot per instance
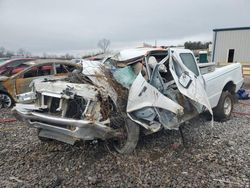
(55, 26)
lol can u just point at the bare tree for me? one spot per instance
(103, 44)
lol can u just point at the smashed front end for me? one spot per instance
(69, 109)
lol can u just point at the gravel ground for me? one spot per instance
(217, 156)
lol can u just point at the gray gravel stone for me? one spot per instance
(212, 157)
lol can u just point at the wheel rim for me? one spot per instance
(5, 101)
(227, 106)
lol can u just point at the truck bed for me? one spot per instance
(215, 81)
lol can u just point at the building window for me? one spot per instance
(230, 58)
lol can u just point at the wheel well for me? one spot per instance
(230, 86)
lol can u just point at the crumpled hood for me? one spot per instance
(93, 70)
(58, 87)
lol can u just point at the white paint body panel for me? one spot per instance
(133, 53)
(142, 94)
(85, 90)
(196, 89)
(216, 81)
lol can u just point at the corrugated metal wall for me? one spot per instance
(239, 40)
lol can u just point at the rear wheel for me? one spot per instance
(5, 100)
(127, 142)
(223, 110)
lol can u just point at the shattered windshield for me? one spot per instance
(125, 71)
(125, 76)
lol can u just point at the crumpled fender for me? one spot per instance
(142, 94)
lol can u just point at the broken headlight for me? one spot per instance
(26, 96)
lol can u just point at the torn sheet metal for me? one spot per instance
(192, 89)
(143, 100)
(142, 94)
(85, 90)
(96, 73)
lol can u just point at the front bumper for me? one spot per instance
(79, 129)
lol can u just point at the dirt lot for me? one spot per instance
(216, 156)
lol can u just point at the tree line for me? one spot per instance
(8, 53)
(196, 45)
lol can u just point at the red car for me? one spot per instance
(13, 66)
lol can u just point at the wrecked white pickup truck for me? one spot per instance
(142, 88)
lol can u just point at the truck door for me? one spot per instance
(188, 78)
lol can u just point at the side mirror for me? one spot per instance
(185, 80)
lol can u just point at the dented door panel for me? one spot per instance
(142, 94)
(194, 89)
(146, 102)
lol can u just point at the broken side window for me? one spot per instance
(31, 73)
(60, 69)
(189, 61)
(125, 76)
(45, 70)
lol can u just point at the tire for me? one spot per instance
(5, 100)
(128, 142)
(223, 110)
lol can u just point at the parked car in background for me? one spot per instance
(9, 65)
(16, 80)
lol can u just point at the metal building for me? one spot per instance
(231, 45)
